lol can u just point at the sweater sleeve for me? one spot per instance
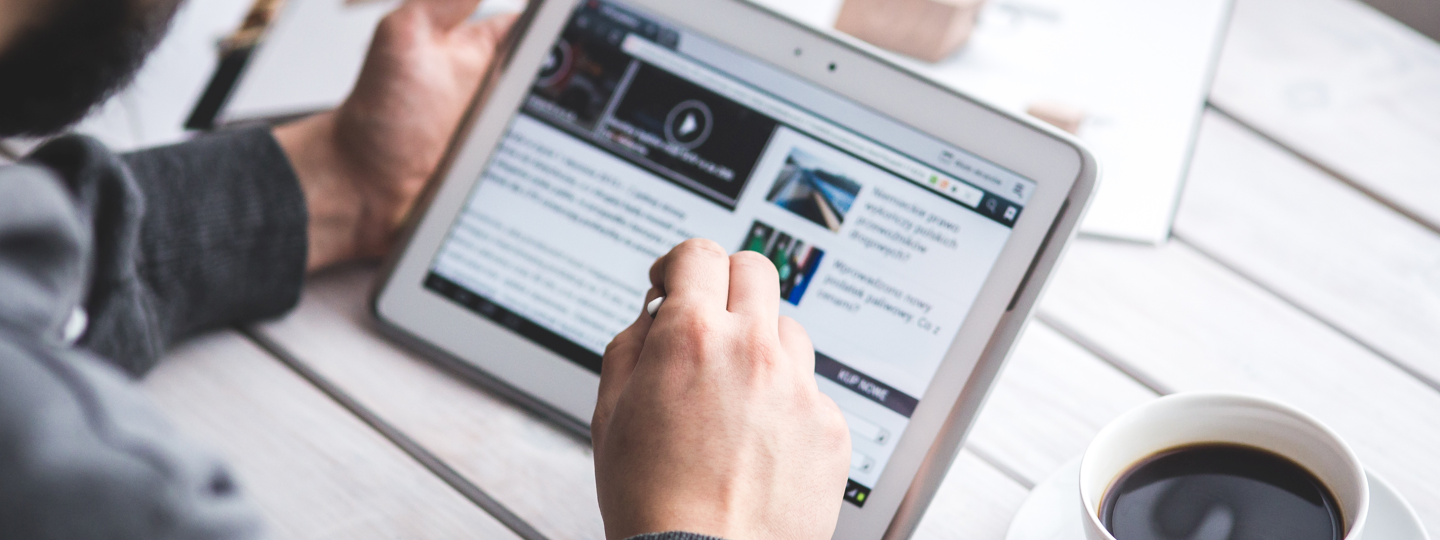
(82, 454)
(672, 535)
(187, 238)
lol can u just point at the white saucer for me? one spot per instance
(1052, 512)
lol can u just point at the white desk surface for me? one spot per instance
(1304, 265)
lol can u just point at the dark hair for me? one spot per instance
(56, 71)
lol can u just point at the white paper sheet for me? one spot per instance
(1140, 68)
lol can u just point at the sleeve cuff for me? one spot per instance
(673, 535)
(224, 238)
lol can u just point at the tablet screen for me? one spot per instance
(638, 134)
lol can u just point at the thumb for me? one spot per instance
(615, 368)
(444, 15)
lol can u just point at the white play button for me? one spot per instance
(688, 123)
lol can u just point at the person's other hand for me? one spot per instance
(362, 165)
(709, 419)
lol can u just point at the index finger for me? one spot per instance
(694, 274)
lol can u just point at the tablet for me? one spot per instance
(912, 227)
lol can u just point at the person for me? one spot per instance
(709, 422)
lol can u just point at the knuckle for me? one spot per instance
(759, 351)
(751, 257)
(396, 22)
(756, 262)
(702, 247)
(692, 327)
(398, 29)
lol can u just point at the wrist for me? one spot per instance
(660, 510)
(336, 208)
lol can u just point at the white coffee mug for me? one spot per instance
(1195, 418)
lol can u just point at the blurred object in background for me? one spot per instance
(234, 51)
(926, 29)
(311, 56)
(1421, 15)
(1349, 88)
(151, 111)
(1137, 72)
(262, 12)
(1062, 115)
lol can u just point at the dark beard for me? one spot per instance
(57, 71)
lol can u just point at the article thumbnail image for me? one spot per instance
(795, 260)
(814, 190)
(705, 142)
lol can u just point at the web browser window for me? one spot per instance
(638, 135)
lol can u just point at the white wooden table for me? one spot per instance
(1305, 266)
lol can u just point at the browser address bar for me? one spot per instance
(674, 63)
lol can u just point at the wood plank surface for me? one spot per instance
(1345, 86)
(1316, 242)
(975, 502)
(540, 473)
(313, 469)
(1424, 17)
(1192, 324)
(1310, 278)
(1050, 400)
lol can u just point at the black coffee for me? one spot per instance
(1220, 492)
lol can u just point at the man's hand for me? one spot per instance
(709, 419)
(362, 165)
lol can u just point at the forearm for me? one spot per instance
(336, 209)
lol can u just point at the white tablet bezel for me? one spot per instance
(1064, 172)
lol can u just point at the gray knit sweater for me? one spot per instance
(106, 260)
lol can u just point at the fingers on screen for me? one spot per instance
(694, 275)
(754, 286)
